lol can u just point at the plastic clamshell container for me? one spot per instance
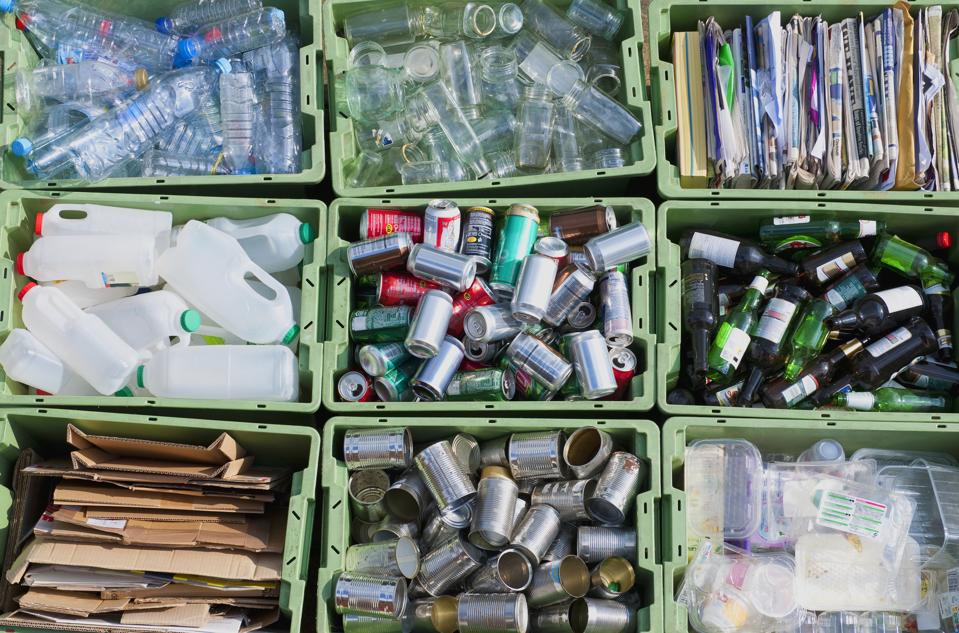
(344, 222)
(742, 218)
(612, 181)
(669, 16)
(771, 436)
(20, 208)
(303, 18)
(730, 476)
(296, 447)
(639, 437)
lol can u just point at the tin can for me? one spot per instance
(380, 325)
(536, 532)
(380, 222)
(536, 455)
(430, 320)
(441, 225)
(477, 295)
(354, 386)
(481, 351)
(485, 384)
(408, 497)
(572, 287)
(507, 572)
(540, 361)
(434, 375)
(612, 578)
(445, 268)
(582, 316)
(448, 563)
(559, 581)
(516, 239)
(617, 312)
(586, 451)
(355, 623)
(621, 246)
(564, 545)
(594, 369)
(533, 288)
(496, 496)
(616, 488)
(378, 254)
(366, 490)
(477, 242)
(399, 557)
(595, 544)
(552, 247)
(487, 612)
(434, 615)
(567, 497)
(378, 448)
(577, 226)
(363, 594)
(401, 288)
(491, 323)
(624, 369)
(378, 359)
(394, 385)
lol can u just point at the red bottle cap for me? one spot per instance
(23, 291)
(38, 224)
(41, 392)
(944, 239)
(18, 264)
(21, 22)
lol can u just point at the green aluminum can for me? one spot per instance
(394, 386)
(483, 384)
(380, 325)
(514, 243)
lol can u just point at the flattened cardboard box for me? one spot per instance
(76, 494)
(78, 603)
(254, 478)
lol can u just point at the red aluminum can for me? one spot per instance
(355, 386)
(472, 365)
(380, 222)
(401, 288)
(624, 368)
(479, 294)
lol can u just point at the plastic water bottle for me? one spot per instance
(238, 112)
(82, 341)
(86, 81)
(148, 321)
(188, 17)
(209, 268)
(223, 372)
(84, 297)
(53, 123)
(274, 242)
(240, 34)
(125, 133)
(190, 137)
(160, 163)
(279, 141)
(99, 261)
(30, 362)
(66, 218)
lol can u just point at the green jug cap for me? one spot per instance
(190, 320)
(126, 392)
(306, 233)
(291, 334)
(140, 376)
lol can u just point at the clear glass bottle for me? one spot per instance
(389, 26)
(433, 104)
(597, 17)
(534, 128)
(457, 72)
(498, 72)
(363, 170)
(571, 41)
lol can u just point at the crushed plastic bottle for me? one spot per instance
(238, 112)
(240, 34)
(188, 17)
(88, 82)
(158, 163)
(279, 138)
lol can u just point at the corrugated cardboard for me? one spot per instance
(229, 564)
(97, 459)
(30, 495)
(223, 450)
(254, 478)
(76, 603)
(111, 622)
(160, 515)
(175, 590)
(244, 603)
(82, 494)
(193, 615)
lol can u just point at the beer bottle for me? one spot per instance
(700, 309)
(798, 232)
(887, 399)
(732, 340)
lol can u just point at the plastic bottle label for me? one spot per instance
(889, 342)
(860, 400)
(775, 320)
(791, 219)
(720, 250)
(900, 299)
(735, 347)
(800, 390)
(845, 292)
(853, 515)
(867, 228)
(760, 283)
(835, 267)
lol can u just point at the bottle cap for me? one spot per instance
(18, 264)
(21, 22)
(126, 392)
(188, 48)
(223, 65)
(23, 291)
(6, 6)
(290, 335)
(38, 224)
(190, 320)
(164, 25)
(21, 146)
(140, 376)
(306, 233)
(141, 78)
(944, 239)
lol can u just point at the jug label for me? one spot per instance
(114, 280)
(853, 515)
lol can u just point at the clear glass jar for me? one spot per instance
(389, 26)
(567, 152)
(534, 128)
(597, 17)
(434, 104)
(499, 72)
(602, 113)
(502, 165)
(604, 68)
(364, 170)
(438, 148)
(496, 130)
(456, 64)
(569, 40)
(609, 158)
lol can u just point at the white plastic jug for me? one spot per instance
(85, 297)
(97, 219)
(222, 372)
(148, 321)
(208, 268)
(99, 261)
(82, 341)
(28, 361)
(211, 333)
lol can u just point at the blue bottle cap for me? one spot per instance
(6, 6)
(164, 25)
(21, 146)
(188, 48)
(223, 65)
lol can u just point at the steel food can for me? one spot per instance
(533, 288)
(484, 384)
(536, 455)
(477, 295)
(617, 312)
(488, 612)
(445, 268)
(381, 222)
(448, 563)
(401, 288)
(394, 385)
(586, 452)
(435, 374)
(594, 369)
(567, 497)
(621, 246)
(380, 325)
(365, 449)
(365, 490)
(378, 359)
(354, 386)
(516, 239)
(573, 286)
(408, 497)
(430, 320)
(450, 486)
(441, 225)
(491, 323)
(396, 557)
(535, 532)
(616, 488)
(364, 594)
(540, 361)
(378, 254)
(558, 581)
(577, 226)
(508, 572)
(477, 241)
(595, 544)
(496, 496)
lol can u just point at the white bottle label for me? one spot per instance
(772, 326)
(720, 250)
(835, 267)
(889, 341)
(735, 347)
(899, 299)
(760, 283)
(867, 228)
(801, 390)
(860, 400)
(791, 219)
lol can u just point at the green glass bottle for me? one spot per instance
(887, 399)
(912, 261)
(803, 231)
(808, 338)
(732, 340)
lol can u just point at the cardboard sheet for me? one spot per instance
(81, 494)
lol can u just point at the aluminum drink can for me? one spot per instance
(577, 226)
(443, 267)
(430, 320)
(401, 288)
(515, 242)
(378, 359)
(477, 240)
(380, 222)
(624, 369)
(379, 253)
(394, 385)
(491, 323)
(485, 384)
(617, 312)
(481, 351)
(354, 386)
(477, 295)
(380, 325)
(441, 225)
(533, 288)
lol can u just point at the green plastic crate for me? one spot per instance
(344, 228)
(773, 436)
(642, 153)
(743, 218)
(302, 17)
(668, 16)
(640, 437)
(296, 447)
(18, 210)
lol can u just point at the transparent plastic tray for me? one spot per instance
(935, 524)
(724, 488)
(884, 457)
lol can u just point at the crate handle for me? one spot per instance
(299, 524)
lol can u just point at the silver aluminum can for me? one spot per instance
(617, 311)
(586, 452)
(554, 619)
(582, 316)
(563, 545)
(552, 247)
(436, 531)
(434, 615)
(447, 269)
(366, 594)
(378, 254)
(493, 452)
(522, 507)
(625, 244)
(493, 613)
(490, 324)
(595, 544)
(435, 374)
(466, 450)
(389, 529)
(567, 497)
(449, 563)
(602, 616)
(366, 489)
(441, 225)
(612, 578)
(573, 286)
(558, 581)
(408, 497)
(378, 359)
(449, 485)
(526, 486)
(396, 557)
(394, 386)
(365, 449)
(480, 351)
(594, 369)
(536, 532)
(616, 488)
(495, 504)
(476, 241)
(536, 455)
(533, 288)
(540, 361)
(355, 623)
(430, 322)
(508, 572)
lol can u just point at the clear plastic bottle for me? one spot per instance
(187, 17)
(82, 341)
(597, 17)
(187, 138)
(30, 362)
(148, 321)
(569, 40)
(499, 71)
(534, 129)
(433, 104)
(456, 64)
(277, 149)
(241, 33)
(99, 261)
(51, 124)
(223, 372)
(274, 242)
(160, 164)
(86, 81)
(238, 112)
(567, 152)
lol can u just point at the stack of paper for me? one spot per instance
(862, 103)
(151, 536)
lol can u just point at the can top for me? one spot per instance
(524, 209)
(551, 247)
(442, 205)
(623, 358)
(482, 209)
(352, 386)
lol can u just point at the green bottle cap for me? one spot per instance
(306, 233)
(290, 335)
(126, 392)
(140, 376)
(190, 320)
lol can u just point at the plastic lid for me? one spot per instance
(21, 146)
(944, 239)
(188, 48)
(23, 291)
(290, 335)
(223, 65)
(141, 78)
(126, 392)
(140, 376)
(18, 264)
(164, 25)
(306, 233)
(38, 224)
(6, 6)
(190, 320)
